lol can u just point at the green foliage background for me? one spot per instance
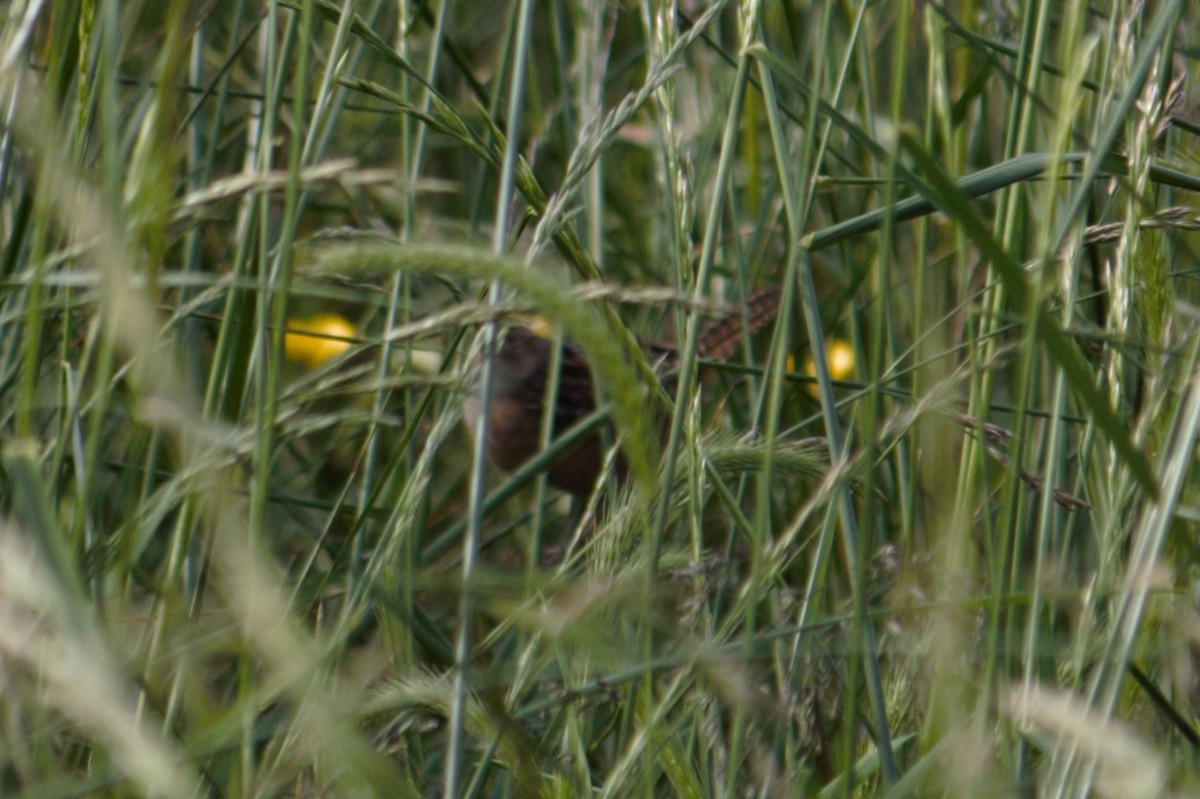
(968, 568)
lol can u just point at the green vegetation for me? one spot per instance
(238, 562)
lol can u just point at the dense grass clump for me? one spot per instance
(931, 531)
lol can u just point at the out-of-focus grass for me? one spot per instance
(964, 568)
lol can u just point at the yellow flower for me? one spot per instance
(317, 339)
(840, 357)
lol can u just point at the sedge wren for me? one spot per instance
(519, 392)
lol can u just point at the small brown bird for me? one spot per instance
(519, 392)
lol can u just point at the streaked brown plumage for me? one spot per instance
(519, 391)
